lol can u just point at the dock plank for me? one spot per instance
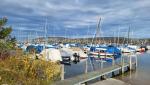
(110, 81)
(89, 76)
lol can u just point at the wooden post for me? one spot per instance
(131, 66)
(113, 74)
(103, 77)
(128, 68)
(113, 61)
(62, 72)
(101, 64)
(86, 66)
(130, 74)
(120, 71)
(122, 64)
(136, 61)
(130, 62)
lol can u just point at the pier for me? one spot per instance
(101, 74)
(111, 81)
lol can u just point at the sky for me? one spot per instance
(77, 18)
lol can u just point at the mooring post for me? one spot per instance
(113, 61)
(120, 71)
(122, 64)
(62, 72)
(113, 74)
(136, 61)
(130, 62)
(86, 66)
(101, 64)
(128, 68)
(103, 77)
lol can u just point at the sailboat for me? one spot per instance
(100, 51)
(128, 48)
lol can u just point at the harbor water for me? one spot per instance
(139, 77)
(142, 74)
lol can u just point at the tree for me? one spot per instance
(3, 21)
(4, 30)
(6, 42)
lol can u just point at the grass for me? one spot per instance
(22, 70)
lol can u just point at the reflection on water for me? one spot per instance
(142, 75)
(139, 77)
(80, 68)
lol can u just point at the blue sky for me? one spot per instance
(77, 18)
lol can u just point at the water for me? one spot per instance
(80, 68)
(139, 77)
(142, 75)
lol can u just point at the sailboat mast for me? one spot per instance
(118, 37)
(97, 33)
(128, 35)
(87, 35)
(98, 30)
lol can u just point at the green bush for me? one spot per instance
(5, 48)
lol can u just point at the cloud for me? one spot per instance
(77, 15)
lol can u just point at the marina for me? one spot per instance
(101, 74)
(74, 42)
(93, 61)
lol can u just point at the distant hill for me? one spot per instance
(120, 40)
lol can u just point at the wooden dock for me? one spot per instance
(84, 78)
(110, 81)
